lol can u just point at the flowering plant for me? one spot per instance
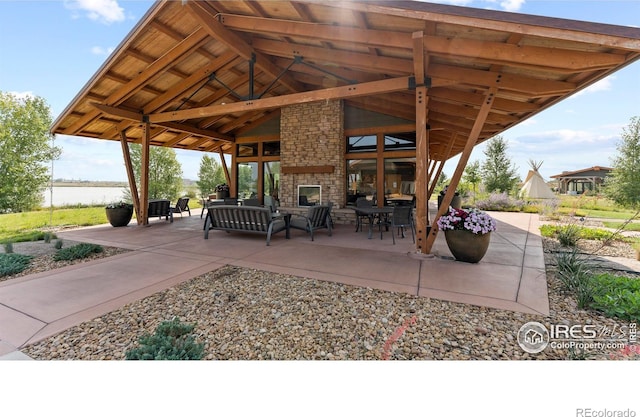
(473, 220)
(222, 187)
(120, 204)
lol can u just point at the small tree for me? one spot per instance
(25, 151)
(472, 176)
(442, 181)
(209, 175)
(165, 172)
(623, 184)
(498, 173)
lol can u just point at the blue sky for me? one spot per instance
(52, 48)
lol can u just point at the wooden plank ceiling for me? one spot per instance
(186, 68)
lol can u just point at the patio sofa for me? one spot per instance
(250, 219)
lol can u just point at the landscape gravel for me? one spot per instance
(247, 314)
(42, 254)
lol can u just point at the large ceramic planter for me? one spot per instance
(466, 246)
(222, 194)
(120, 216)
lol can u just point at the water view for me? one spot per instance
(63, 196)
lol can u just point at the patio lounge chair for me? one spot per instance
(318, 217)
(181, 206)
(160, 208)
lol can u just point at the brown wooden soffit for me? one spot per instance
(316, 169)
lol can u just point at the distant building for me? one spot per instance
(577, 182)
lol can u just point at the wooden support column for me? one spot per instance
(422, 141)
(485, 108)
(144, 174)
(130, 176)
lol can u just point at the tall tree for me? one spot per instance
(26, 150)
(498, 173)
(165, 171)
(209, 175)
(623, 184)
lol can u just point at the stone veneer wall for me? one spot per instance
(312, 134)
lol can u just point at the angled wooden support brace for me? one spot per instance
(433, 179)
(130, 176)
(485, 108)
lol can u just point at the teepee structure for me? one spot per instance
(535, 186)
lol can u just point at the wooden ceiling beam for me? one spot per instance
(469, 112)
(515, 55)
(215, 29)
(322, 56)
(142, 79)
(317, 31)
(476, 99)
(543, 27)
(528, 85)
(194, 80)
(356, 90)
(180, 127)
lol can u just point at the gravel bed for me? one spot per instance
(245, 314)
(43, 254)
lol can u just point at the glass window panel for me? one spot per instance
(247, 180)
(271, 149)
(399, 179)
(361, 143)
(361, 179)
(272, 181)
(400, 141)
(248, 149)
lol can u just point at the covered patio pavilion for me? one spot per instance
(298, 90)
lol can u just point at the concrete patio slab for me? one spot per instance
(163, 254)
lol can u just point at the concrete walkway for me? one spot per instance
(511, 276)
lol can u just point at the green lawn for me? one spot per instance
(15, 226)
(630, 227)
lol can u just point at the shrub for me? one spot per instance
(574, 272)
(171, 341)
(13, 263)
(58, 244)
(79, 251)
(568, 235)
(500, 202)
(47, 238)
(616, 296)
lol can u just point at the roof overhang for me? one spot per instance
(202, 73)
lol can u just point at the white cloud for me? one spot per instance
(22, 95)
(104, 11)
(99, 50)
(512, 5)
(603, 85)
(508, 5)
